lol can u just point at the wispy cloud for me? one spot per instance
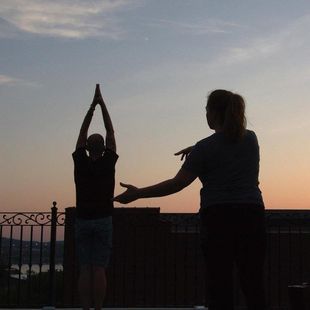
(65, 18)
(292, 37)
(13, 81)
(209, 26)
(7, 80)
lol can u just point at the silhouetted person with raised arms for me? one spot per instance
(232, 208)
(94, 176)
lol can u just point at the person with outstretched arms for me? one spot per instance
(231, 208)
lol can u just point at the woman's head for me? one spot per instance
(226, 112)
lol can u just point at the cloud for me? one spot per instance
(6, 80)
(291, 38)
(12, 81)
(210, 26)
(65, 18)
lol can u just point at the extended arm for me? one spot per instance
(81, 141)
(110, 138)
(182, 179)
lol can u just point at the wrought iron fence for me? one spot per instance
(156, 259)
(28, 253)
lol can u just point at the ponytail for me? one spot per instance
(229, 110)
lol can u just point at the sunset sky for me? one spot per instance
(156, 61)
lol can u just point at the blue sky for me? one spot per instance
(156, 62)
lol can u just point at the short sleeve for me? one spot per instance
(194, 161)
(110, 157)
(79, 155)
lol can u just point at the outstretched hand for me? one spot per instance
(185, 152)
(131, 194)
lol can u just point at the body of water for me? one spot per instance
(35, 269)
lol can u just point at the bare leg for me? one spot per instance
(100, 286)
(85, 286)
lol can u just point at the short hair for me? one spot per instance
(95, 143)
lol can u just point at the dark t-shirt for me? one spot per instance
(227, 170)
(94, 184)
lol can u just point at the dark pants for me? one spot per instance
(234, 234)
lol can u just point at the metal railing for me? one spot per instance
(156, 260)
(28, 253)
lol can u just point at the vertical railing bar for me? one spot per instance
(301, 253)
(269, 238)
(20, 262)
(124, 251)
(1, 260)
(185, 300)
(52, 255)
(151, 270)
(9, 265)
(134, 264)
(195, 265)
(175, 265)
(152, 273)
(1, 240)
(154, 250)
(62, 274)
(40, 259)
(113, 271)
(145, 288)
(29, 275)
(165, 268)
(160, 264)
(290, 253)
(279, 266)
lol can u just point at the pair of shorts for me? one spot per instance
(94, 241)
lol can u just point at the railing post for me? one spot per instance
(69, 268)
(51, 298)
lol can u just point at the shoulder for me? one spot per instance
(110, 155)
(251, 136)
(79, 153)
(208, 141)
(201, 148)
(195, 162)
(250, 133)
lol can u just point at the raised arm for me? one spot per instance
(182, 179)
(81, 141)
(110, 138)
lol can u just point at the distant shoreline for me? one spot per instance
(35, 270)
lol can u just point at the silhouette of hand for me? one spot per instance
(131, 194)
(98, 96)
(185, 152)
(97, 91)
